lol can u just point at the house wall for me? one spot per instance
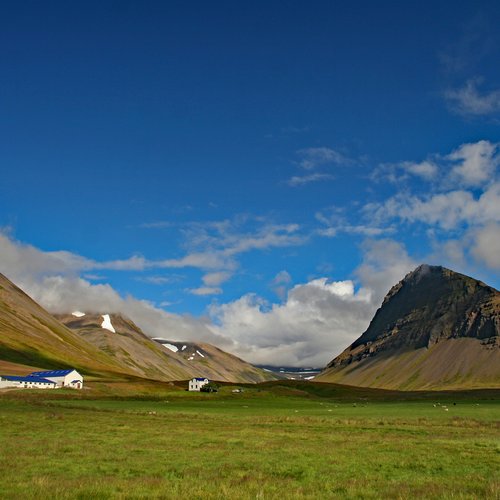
(66, 381)
(196, 385)
(8, 383)
(25, 385)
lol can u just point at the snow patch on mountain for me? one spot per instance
(172, 347)
(78, 314)
(107, 323)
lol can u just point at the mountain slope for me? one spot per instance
(30, 337)
(109, 345)
(435, 329)
(161, 359)
(208, 360)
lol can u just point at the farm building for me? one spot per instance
(44, 380)
(26, 382)
(63, 378)
(195, 384)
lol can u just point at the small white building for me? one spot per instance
(44, 380)
(62, 378)
(195, 384)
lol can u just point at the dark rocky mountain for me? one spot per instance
(435, 329)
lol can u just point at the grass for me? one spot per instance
(271, 441)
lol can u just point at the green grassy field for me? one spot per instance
(271, 441)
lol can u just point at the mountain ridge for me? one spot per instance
(149, 357)
(433, 316)
(101, 345)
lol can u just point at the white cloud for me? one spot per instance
(315, 157)
(425, 169)
(469, 100)
(202, 260)
(385, 263)
(281, 283)
(51, 279)
(444, 210)
(315, 321)
(206, 290)
(298, 180)
(337, 223)
(214, 279)
(134, 263)
(475, 163)
(160, 280)
(399, 172)
(486, 245)
(318, 319)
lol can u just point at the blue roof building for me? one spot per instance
(44, 379)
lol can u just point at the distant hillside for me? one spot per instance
(103, 345)
(30, 337)
(435, 329)
(159, 359)
(215, 363)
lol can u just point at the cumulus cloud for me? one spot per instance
(385, 263)
(214, 279)
(445, 210)
(470, 100)
(51, 279)
(402, 171)
(314, 321)
(486, 245)
(426, 169)
(318, 320)
(475, 163)
(457, 213)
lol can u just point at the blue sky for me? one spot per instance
(256, 175)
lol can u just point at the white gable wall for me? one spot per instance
(196, 385)
(67, 380)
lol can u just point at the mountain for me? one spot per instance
(31, 338)
(215, 363)
(102, 345)
(436, 329)
(159, 359)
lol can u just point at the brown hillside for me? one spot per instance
(151, 359)
(30, 338)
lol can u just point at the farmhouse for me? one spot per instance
(195, 384)
(44, 380)
(63, 378)
(26, 382)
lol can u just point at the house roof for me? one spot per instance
(52, 373)
(29, 378)
(200, 378)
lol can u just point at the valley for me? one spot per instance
(274, 440)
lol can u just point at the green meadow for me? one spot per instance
(282, 440)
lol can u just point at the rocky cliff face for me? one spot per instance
(431, 306)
